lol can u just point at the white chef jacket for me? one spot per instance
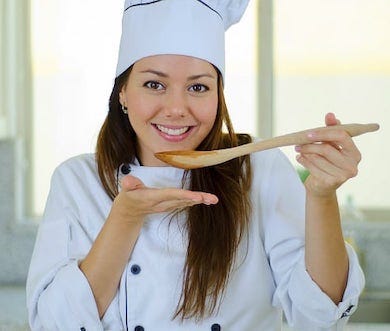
(269, 275)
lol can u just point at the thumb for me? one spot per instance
(330, 119)
(131, 183)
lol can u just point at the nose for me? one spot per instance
(176, 105)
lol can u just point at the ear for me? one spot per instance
(122, 96)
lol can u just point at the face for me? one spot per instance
(172, 103)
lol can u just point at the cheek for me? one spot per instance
(140, 109)
(208, 113)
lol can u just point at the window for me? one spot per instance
(328, 56)
(333, 56)
(241, 72)
(75, 45)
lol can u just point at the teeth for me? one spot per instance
(172, 132)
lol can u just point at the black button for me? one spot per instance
(82, 329)
(135, 269)
(125, 169)
(215, 327)
(347, 311)
(139, 328)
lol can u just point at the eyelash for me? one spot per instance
(157, 85)
(203, 87)
(154, 85)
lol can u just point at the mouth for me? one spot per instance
(172, 131)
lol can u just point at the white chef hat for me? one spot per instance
(182, 27)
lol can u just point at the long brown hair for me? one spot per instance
(214, 232)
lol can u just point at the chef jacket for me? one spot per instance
(269, 274)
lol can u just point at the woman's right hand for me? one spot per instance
(121, 230)
(135, 200)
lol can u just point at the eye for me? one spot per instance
(198, 88)
(154, 85)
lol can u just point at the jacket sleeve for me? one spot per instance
(58, 294)
(305, 305)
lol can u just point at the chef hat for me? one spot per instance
(182, 27)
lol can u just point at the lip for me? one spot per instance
(173, 138)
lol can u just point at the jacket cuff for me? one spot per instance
(312, 302)
(75, 307)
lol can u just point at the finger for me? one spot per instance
(130, 183)
(324, 177)
(333, 173)
(335, 150)
(152, 200)
(173, 205)
(318, 164)
(330, 151)
(182, 194)
(330, 119)
(205, 198)
(333, 156)
(318, 180)
(339, 138)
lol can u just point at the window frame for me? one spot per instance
(16, 91)
(17, 231)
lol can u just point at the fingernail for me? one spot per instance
(209, 201)
(298, 148)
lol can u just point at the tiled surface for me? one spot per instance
(368, 327)
(13, 312)
(358, 327)
(16, 239)
(371, 241)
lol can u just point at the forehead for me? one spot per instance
(168, 63)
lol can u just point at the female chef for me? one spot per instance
(128, 243)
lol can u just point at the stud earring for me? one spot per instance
(124, 109)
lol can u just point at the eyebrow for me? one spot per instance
(162, 74)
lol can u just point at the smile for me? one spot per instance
(172, 131)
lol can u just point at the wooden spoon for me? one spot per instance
(199, 159)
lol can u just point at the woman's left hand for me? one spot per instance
(331, 159)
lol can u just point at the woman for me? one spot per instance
(128, 243)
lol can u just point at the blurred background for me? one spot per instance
(288, 64)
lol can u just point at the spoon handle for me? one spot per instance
(299, 138)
